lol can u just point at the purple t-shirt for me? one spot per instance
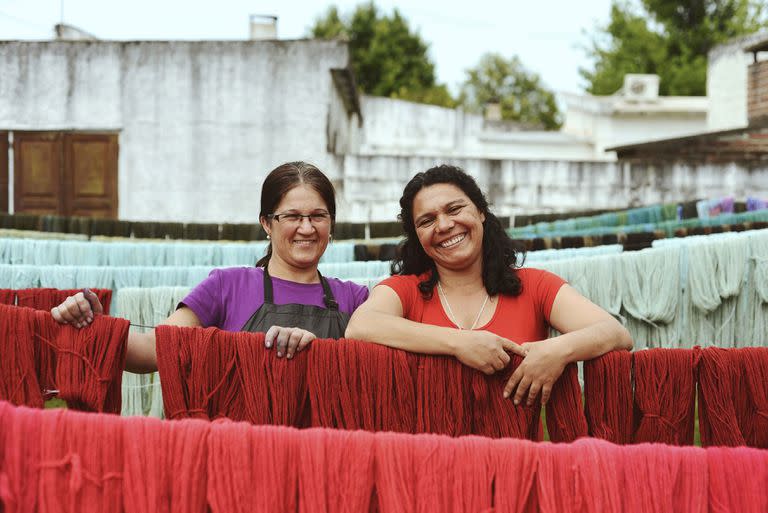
(227, 298)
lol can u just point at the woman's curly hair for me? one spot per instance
(500, 252)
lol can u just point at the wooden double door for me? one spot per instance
(61, 173)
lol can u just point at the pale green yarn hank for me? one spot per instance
(142, 394)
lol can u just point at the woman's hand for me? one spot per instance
(78, 310)
(287, 341)
(542, 365)
(483, 350)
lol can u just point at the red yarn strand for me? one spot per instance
(565, 413)
(665, 395)
(608, 396)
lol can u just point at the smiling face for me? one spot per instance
(298, 246)
(449, 226)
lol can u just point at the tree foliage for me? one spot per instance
(520, 93)
(388, 57)
(670, 38)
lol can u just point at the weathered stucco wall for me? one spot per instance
(200, 123)
(727, 82)
(373, 184)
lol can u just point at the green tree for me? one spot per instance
(388, 58)
(670, 38)
(520, 93)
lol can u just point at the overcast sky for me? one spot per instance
(548, 36)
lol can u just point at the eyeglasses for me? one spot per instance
(318, 218)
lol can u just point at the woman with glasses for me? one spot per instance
(284, 296)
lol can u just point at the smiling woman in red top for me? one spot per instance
(457, 290)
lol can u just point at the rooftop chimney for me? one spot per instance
(263, 27)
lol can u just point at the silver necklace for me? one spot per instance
(450, 312)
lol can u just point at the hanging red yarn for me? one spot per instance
(565, 413)
(89, 362)
(395, 473)
(81, 462)
(335, 471)
(515, 464)
(20, 436)
(608, 396)
(443, 392)
(738, 480)
(164, 465)
(324, 384)
(251, 370)
(596, 459)
(47, 298)
(359, 385)
(665, 396)
(252, 468)
(753, 415)
(18, 372)
(692, 482)
(198, 373)
(497, 417)
(473, 474)
(719, 383)
(669, 482)
(557, 485)
(7, 297)
(387, 399)
(286, 384)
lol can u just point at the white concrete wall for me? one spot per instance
(727, 82)
(401, 128)
(373, 184)
(201, 123)
(609, 121)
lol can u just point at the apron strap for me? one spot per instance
(328, 297)
(268, 295)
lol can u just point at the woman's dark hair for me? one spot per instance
(284, 178)
(500, 252)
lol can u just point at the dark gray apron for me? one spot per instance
(326, 322)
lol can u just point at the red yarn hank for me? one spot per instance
(47, 298)
(608, 396)
(335, 471)
(164, 465)
(472, 474)
(557, 486)
(89, 362)
(665, 396)
(596, 459)
(286, 384)
(719, 382)
(497, 417)
(668, 483)
(565, 413)
(198, 373)
(515, 466)
(753, 415)
(20, 435)
(443, 392)
(18, 370)
(395, 473)
(7, 297)
(324, 384)
(252, 468)
(81, 462)
(251, 371)
(387, 393)
(738, 480)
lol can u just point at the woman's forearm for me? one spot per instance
(141, 353)
(400, 333)
(593, 341)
